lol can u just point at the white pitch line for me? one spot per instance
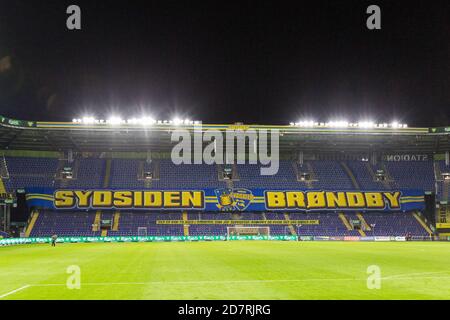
(409, 275)
(14, 291)
(392, 278)
(398, 277)
(193, 282)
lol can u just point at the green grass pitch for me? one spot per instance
(227, 270)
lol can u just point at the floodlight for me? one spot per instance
(147, 121)
(115, 120)
(88, 120)
(366, 124)
(177, 121)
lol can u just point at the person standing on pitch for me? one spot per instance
(54, 238)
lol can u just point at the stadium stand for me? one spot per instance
(125, 173)
(363, 172)
(330, 224)
(90, 173)
(128, 173)
(187, 176)
(250, 175)
(443, 186)
(130, 222)
(3, 235)
(412, 175)
(331, 175)
(64, 224)
(30, 172)
(393, 224)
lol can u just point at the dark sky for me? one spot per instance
(251, 61)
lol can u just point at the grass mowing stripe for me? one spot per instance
(393, 277)
(228, 270)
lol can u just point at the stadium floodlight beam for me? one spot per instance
(115, 120)
(303, 124)
(147, 121)
(177, 121)
(88, 120)
(338, 124)
(366, 124)
(397, 125)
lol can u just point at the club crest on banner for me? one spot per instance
(232, 199)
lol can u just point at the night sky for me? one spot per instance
(224, 62)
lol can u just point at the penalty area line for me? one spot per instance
(14, 291)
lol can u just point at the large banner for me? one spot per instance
(226, 199)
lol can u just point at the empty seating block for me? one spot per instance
(331, 175)
(412, 175)
(30, 172)
(250, 177)
(363, 176)
(195, 176)
(124, 174)
(90, 174)
(393, 224)
(64, 224)
(130, 222)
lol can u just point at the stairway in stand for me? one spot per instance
(31, 223)
(350, 175)
(97, 220)
(116, 221)
(345, 221)
(422, 223)
(363, 221)
(186, 225)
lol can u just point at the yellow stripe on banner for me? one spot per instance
(413, 197)
(411, 201)
(40, 195)
(215, 201)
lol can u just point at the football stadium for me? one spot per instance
(95, 209)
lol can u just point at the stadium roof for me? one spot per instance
(59, 136)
